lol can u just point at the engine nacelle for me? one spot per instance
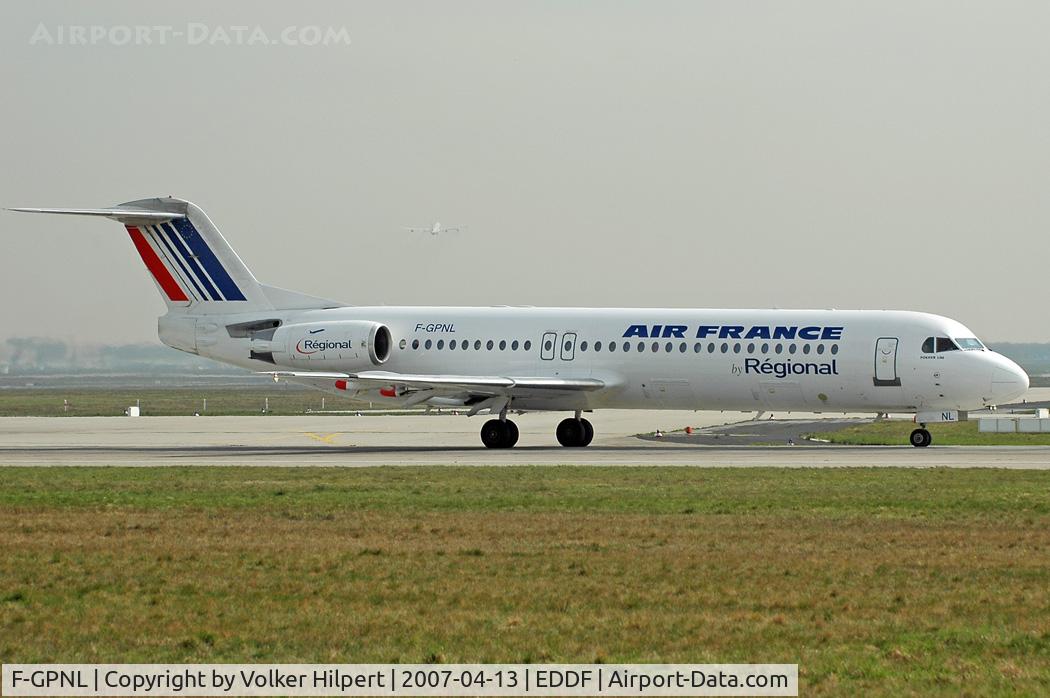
(346, 346)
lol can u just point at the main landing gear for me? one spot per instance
(573, 432)
(499, 433)
(920, 438)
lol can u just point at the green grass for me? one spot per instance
(875, 581)
(284, 399)
(894, 432)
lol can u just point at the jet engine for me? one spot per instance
(349, 345)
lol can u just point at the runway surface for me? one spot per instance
(438, 440)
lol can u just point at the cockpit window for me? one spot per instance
(969, 343)
(928, 346)
(945, 344)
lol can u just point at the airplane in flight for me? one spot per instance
(505, 360)
(436, 229)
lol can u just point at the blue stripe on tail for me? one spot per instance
(191, 262)
(208, 259)
(161, 235)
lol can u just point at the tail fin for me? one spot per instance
(195, 269)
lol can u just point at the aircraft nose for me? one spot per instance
(1009, 381)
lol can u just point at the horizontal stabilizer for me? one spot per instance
(117, 213)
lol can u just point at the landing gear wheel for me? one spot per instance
(920, 438)
(499, 434)
(588, 432)
(574, 433)
(493, 434)
(512, 434)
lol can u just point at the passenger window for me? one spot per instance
(583, 346)
(928, 346)
(428, 344)
(791, 348)
(547, 346)
(681, 348)
(403, 343)
(710, 347)
(514, 345)
(751, 348)
(464, 345)
(736, 348)
(725, 347)
(765, 348)
(834, 348)
(779, 348)
(805, 348)
(477, 344)
(452, 345)
(503, 344)
(415, 344)
(527, 345)
(489, 344)
(597, 346)
(945, 344)
(820, 348)
(441, 344)
(667, 347)
(612, 346)
(697, 347)
(641, 346)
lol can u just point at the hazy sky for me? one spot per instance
(699, 154)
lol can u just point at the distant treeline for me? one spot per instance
(37, 355)
(1033, 357)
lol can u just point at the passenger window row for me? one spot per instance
(464, 345)
(667, 347)
(712, 347)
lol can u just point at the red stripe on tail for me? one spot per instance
(156, 267)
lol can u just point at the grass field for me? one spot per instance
(894, 432)
(880, 581)
(280, 398)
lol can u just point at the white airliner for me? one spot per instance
(500, 360)
(436, 229)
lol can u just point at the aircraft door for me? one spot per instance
(886, 362)
(547, 346)
(568, 346)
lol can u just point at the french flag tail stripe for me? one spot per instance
(174, 264)
(211, 263)
(191, 262)
(158, 233)
(156, 267)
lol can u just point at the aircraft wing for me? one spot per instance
(418, 388)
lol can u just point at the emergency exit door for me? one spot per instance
(886, 361)
(547, 346)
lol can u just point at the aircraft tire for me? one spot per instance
(494, 434)
(512, 434)
(571, 433)
(920, 438)
(588, 432)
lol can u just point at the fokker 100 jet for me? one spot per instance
(501, 360)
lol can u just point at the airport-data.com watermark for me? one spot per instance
(190, 34)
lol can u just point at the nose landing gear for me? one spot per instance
(920, 438)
